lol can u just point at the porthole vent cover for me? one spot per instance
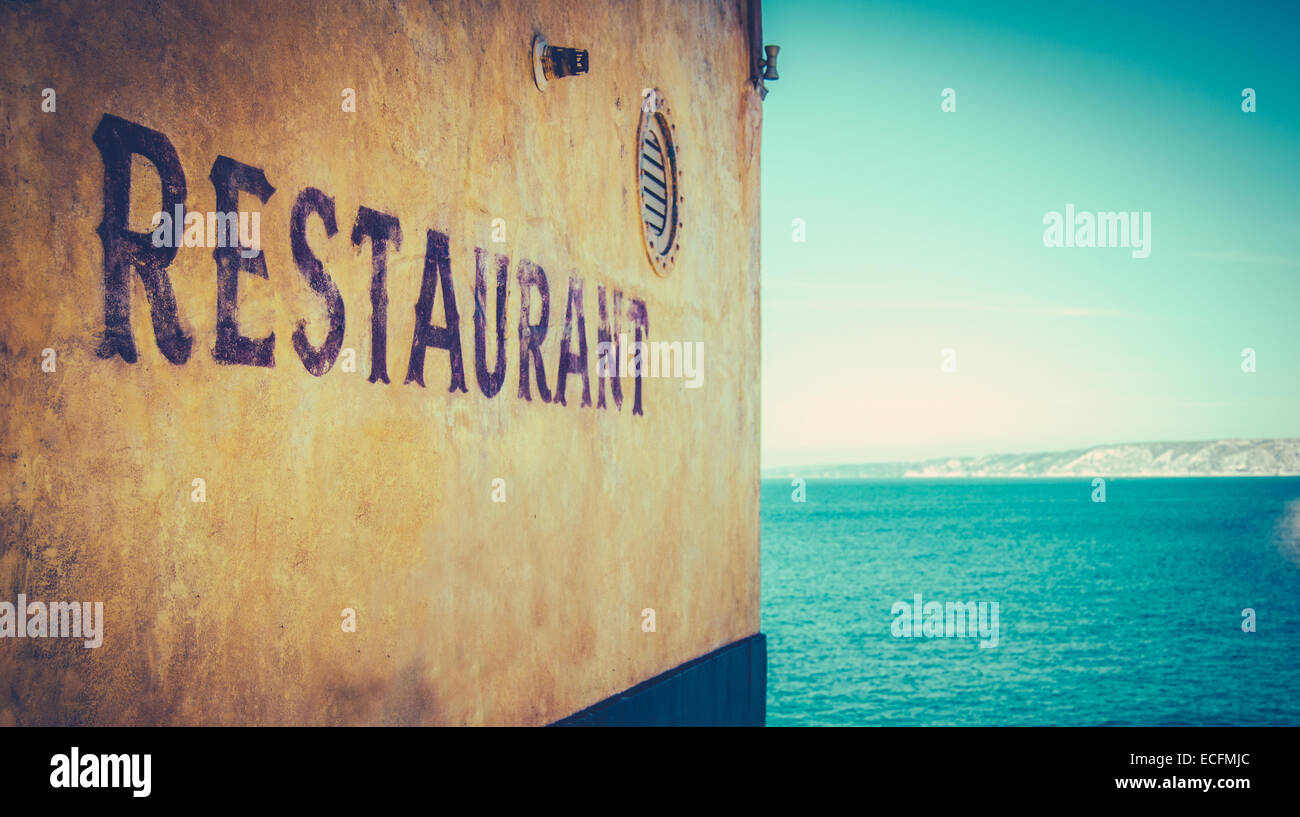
(658, 182)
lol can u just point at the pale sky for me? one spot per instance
(924, 229)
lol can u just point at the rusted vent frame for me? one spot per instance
(666, 162)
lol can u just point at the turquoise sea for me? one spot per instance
(1127, 612)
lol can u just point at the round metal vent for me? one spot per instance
(658, 182)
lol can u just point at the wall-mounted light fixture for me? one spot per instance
(760, 69)
(553, 62)
(769, 65)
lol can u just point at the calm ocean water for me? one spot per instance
(1127, 612)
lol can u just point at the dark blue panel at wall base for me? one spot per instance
(727, 687)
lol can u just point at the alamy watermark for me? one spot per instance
(57, 619)
(240, 229)
(91, 771)
(953, 619)
(654, 359)
(1103, 229)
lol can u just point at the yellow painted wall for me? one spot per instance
(333, 492)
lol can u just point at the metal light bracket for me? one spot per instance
(554, 62)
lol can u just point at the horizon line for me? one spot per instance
(850, 463)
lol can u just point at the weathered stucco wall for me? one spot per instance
(332, 492)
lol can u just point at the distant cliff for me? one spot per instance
(1213, 458)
